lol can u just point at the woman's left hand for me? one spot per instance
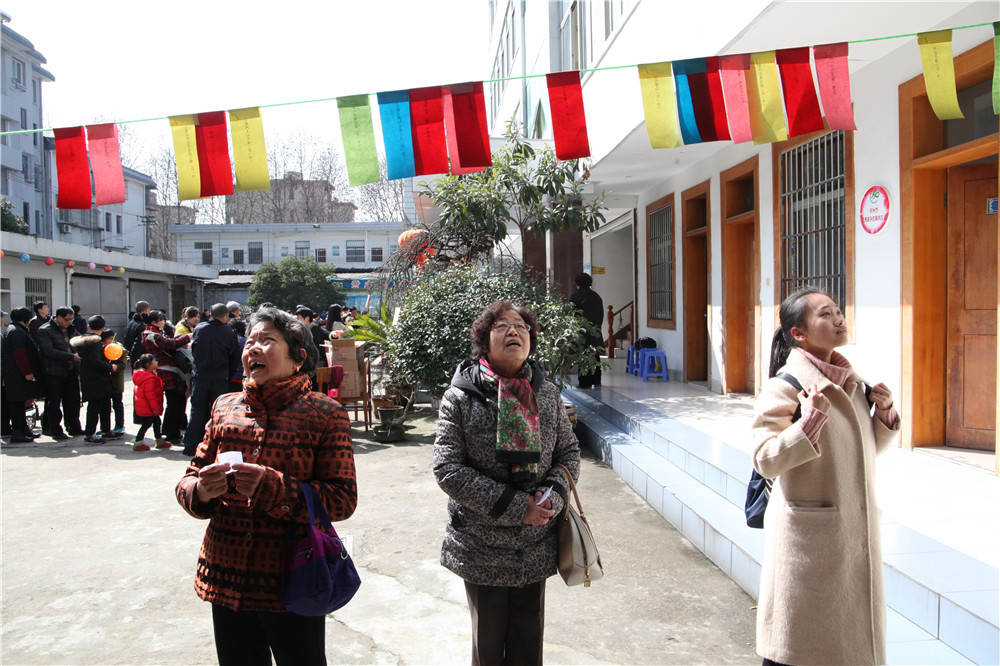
(881, 396)
(248, 477)
(537, 514)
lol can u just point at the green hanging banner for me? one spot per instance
(359, 139)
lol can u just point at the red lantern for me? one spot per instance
(49, 261)
(411, 239)
(70, 264)
(108, 269)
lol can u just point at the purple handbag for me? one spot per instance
(318, 575)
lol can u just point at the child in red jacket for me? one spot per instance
(148, 391)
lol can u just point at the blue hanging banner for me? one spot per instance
(685, 105)
(394, 110)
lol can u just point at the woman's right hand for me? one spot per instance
(537, 514)
(813, 398)
(212, 481)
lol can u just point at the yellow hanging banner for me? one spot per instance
(659, 104)
(249, 153)
(939, 73)
(186, 156)
(767, 112)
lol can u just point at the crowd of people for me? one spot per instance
(58, 360)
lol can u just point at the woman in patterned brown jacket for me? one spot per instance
(286, 434)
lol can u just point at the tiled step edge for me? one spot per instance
(715, 523)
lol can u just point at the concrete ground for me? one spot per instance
(98, 565)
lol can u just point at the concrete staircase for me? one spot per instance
(942, 602)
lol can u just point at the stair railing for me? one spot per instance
(620, 325)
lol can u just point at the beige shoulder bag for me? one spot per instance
(579, 561)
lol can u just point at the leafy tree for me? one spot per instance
(431, 336)
(294, 282)
(530, 189)
(12, 223)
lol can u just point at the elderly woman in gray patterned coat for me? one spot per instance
(501, 430)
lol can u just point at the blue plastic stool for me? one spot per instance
(647, 364)
(632, 361)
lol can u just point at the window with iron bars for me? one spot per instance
(813, 216)
(661, 263)
(37, 289)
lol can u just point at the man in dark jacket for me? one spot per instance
(95, 380)
(320, 335)
(21, 364)
(216, 357)
(41, 309)
(133, 330)
(591, 305)
(79, 321)
(61, 367)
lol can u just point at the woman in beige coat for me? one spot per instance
(821, 595)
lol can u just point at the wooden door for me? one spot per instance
(972, 308)
(696, 347)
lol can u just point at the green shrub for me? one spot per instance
(432, 337)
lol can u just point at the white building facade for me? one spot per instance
(703, 242)
(25, 166)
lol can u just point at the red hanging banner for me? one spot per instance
(834, 79)
(465, 125)
(801, 104)
(430, 149)
(569, 123)
(709, 104)
(214, 167)
(72, 170)
(106, 162)
(732, 72)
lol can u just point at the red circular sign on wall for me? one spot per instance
(874, 211)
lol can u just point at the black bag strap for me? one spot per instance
(798, 387)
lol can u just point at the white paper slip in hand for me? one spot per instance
(231, 457)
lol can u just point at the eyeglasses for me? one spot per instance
(507, 325)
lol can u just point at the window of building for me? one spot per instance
(321, 255)
(376, 253)
(25, 168)
(238, 257)
(25, 212)
(356, 252)
(570, 34)
(302, 250)
(614, 10)
(118, 224)
(34, 90)
(813, 230)
(37, 289)
(24, 119)
(660, 231)
(5, 182)
(256, 251)
(17, 75)
(38, 222)
(107, 221)
(206, 251)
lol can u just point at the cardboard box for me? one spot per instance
(340, 350)
(351, 386)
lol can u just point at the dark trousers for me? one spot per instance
(5, 419)
(508, 624)
(249, 638)
(145, 422)
(119, 409)
(18, 418)
(203, 395)
(64, 393)
(173, 414)
(594, 378)
(98, 409)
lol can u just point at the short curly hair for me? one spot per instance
(295, 333)
(483, 324)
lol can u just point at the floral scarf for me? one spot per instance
(518, 438)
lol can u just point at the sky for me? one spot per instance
(128, 60)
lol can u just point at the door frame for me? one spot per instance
(732, 214)
(923, 164)
(701, 191)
